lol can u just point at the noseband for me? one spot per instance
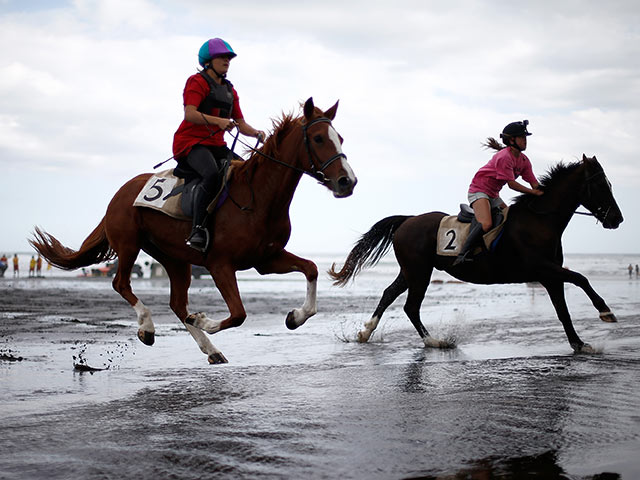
(317, 172)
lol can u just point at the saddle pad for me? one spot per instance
(155, 193)
(452, 234)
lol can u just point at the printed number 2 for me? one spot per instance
(451, 245)
(157, 188)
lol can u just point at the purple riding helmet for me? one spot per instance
(215, 47)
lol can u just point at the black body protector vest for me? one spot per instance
(220, 97)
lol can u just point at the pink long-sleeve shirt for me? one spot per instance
(503, 167)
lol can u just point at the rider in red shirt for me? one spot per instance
(503, 168)
(211, 108)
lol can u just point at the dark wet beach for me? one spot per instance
(511, 400)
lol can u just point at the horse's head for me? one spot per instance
(326, 162)
(596, 194)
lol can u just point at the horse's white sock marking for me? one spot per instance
(429, 341)
(310, 306)
(144, 317)
(202, 340)
(369, 327)
(201, 321)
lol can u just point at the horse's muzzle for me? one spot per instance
(343, 186)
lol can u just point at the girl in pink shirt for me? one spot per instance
(503, 168)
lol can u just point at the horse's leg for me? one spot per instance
(393, 291)
(555, 288)
(122, 284)
(579, 280)
(225, 279)
(418, 278)
(286, 262)
(180, 279)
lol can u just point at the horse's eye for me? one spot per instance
(317, 139)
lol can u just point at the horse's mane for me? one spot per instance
(280, 129)
(555, 175)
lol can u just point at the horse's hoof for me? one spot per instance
(431, 342)
(608, 317)
(290, 322)
(363, 336)
(148, 338)
(217, 358)
(584, 348)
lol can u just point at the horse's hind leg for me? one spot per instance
(122, 284)
(180, 279)
(391, 293)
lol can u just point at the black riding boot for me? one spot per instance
(199, 238)
(475, 236)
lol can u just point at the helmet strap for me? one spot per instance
(511, 142)
(219, 75)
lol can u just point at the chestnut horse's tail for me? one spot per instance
(94, 249)
(369, 249)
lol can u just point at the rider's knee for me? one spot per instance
(486, 226)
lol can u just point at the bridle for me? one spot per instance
(314, 171)
(600, 213)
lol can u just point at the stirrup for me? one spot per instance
(196, 240)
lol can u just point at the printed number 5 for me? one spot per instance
(157, 188)
(451, 245)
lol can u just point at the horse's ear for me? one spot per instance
(308, 108)
(331, 113)
(584, 157)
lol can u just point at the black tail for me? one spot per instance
(369, 249)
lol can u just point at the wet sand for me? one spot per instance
(511, 399)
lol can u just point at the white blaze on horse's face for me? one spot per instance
(350, 178)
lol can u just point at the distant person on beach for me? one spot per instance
(637, 271)
(4, 263)
(630, 269)
(32, 266)
(16, 265)
(504, 168)
(39, 266)
(211, 108)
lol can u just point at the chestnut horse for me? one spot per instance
(250, 231)
(530, 249)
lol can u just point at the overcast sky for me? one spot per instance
(91, 94)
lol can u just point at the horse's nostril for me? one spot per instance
(344, 182)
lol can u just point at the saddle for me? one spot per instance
(454, 230)
(171, 192)
(191, 179)
(466, 215)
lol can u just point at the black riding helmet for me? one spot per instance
(515, 129)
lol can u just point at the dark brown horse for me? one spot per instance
(530, 249)
(253, 236)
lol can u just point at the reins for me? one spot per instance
(314, 172)
(586, 185)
